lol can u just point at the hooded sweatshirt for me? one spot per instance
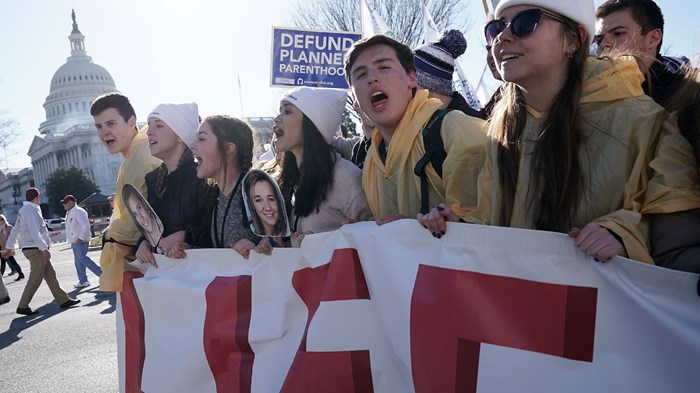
(137, 162)
(633, 161)
(391, 187)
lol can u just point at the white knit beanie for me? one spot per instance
(324, 107)
(580, 11)
(182, 118)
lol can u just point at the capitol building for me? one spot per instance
(68, 136)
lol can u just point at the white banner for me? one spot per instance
(392, 309)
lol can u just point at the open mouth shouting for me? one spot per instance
(379, 100)
(279, 137)
(110, 142)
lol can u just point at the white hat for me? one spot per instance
(182, 118)
(580, 11)
(324, 107)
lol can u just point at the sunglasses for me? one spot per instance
(522, 24)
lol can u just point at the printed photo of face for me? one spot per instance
(265, 204)
(139, 212)
(144, 217)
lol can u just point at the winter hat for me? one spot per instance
(435, 62)
(324, 107)
(31, 193)
(182, 118)
(580, 11)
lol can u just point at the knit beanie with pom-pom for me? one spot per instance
(435, 62)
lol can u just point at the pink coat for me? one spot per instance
(4, 234)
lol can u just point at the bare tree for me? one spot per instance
(8, 132)
(404, 17)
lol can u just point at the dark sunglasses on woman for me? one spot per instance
(522, 24)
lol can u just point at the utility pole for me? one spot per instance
(240, 94)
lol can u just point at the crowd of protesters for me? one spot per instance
(592, 133)
(582, 137)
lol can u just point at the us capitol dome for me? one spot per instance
(68, 136)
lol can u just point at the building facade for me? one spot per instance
(68, 136)
(262, 133)
(13, 185)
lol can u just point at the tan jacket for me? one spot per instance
(392, 187)
(137, 162)
(634, 161)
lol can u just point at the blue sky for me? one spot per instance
(179, 50)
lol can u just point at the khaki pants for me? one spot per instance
(40, 270)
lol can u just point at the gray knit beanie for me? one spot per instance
(435, 62)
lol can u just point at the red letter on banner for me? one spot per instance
(226, 327)
(134, 328)
(341, 279)
(453, 311)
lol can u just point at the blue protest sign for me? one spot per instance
(309, 57)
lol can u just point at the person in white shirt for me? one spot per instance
(78, 235)
(34, 241)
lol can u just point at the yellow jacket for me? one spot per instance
(137, 162)
(392, 187)
(634, 161)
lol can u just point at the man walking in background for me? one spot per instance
(34, 241)
(78, 235)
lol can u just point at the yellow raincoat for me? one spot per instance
(634, 160)
(137, 162)
(392, 187)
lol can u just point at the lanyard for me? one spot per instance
(217, 240)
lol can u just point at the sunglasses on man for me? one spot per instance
(522, 24)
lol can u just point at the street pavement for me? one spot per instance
(71, 350)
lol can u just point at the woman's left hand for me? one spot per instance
(298, 237)
(597, 242)
(170, 245)
(243, 247)
(264, 247)
(435, 221)
(177, 252)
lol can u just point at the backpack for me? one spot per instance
(435, 154)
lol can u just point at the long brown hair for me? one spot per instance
(229, 129)
(686, 102)
(556, 182)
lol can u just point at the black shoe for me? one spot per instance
(26, 311)
(21, 277)
(70, 303)
(11, 273)
(4, 300)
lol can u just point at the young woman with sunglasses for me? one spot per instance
(575, 146)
